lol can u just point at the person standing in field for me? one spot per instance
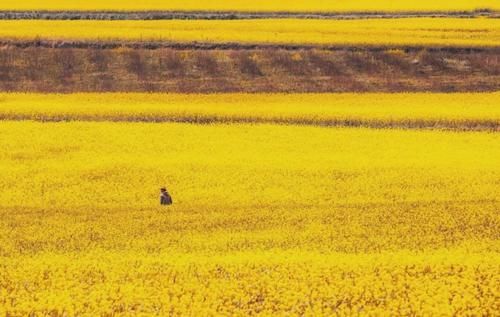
(165, 198)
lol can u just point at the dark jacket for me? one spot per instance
(165, 199)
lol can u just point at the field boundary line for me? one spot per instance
(152, 45)
(409, 124)
(233, 15)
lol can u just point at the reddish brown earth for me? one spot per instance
(90, 68)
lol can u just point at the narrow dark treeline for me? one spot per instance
(45, 69)
(231, 15)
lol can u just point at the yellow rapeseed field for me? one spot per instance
(410, 110)
(284, 204)
(411, 31)
(267, 219)
(256, 5)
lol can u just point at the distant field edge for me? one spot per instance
(195, 45)
(251, 6)
(233, 15)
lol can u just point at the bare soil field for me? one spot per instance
(188, 70)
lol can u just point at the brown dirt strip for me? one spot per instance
(152, 45)
(67, 70)
(206, 15)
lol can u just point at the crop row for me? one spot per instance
(411, 31)
(241, 284)
(419, 110)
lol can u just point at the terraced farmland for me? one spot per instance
(324, 158)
